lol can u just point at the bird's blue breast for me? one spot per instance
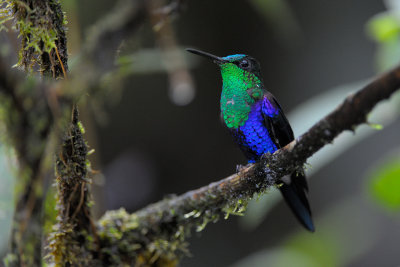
(253, 137)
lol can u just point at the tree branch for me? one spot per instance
(33, 111)
(170, 220)
(43, 38)
(347, 116)
(28, 127)
(73, 233)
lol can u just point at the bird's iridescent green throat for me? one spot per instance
(240, 89)
(242, 86)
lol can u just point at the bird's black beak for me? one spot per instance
(217, 60)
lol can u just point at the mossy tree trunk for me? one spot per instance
(31, 118)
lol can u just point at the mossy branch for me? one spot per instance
(28, 120)
(31, 110)
(157, 232)
(41, 27)
(43, 48)
(74, 235)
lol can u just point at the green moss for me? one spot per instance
(126, 238)
(5, 14)
(238, 208)
(207, 219)
(375, 126)
(39, 38)
(42, 33)
(81, 128)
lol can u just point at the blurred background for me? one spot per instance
(158, 132)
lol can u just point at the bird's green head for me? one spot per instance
(242, 85)
(242, 68)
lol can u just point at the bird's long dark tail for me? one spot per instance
(294, 193)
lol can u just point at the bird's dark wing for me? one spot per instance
(277, 124)
(294, 188)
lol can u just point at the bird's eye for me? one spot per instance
(244, 64)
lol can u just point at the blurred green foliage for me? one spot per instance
(384, 28)
(319, 250)
(50, 213)
(385, 183)
(6, 195)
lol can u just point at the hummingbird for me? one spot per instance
(257, 123)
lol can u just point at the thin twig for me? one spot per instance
(61, 63)
(71, 196)
(78, 208)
